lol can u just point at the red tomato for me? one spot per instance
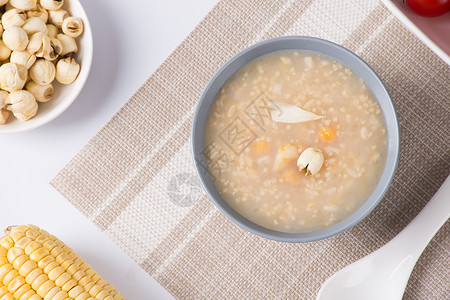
(429, 8)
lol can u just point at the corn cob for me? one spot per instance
(35, 265)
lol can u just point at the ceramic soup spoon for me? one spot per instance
(384, 273)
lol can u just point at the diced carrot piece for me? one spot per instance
(327, 133)
(261, 145)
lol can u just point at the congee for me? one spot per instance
(295, 141)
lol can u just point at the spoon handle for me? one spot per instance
(416, 236)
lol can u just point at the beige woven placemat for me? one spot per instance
(135, 179)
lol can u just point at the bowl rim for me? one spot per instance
(87, 63)
(392, 157)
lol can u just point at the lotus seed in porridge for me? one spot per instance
(295, 141)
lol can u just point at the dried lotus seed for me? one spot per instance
(42, 93)
(33, 25)
(12, 77)
(13, 18)
(23, 58)
(55, 49)
(46, 47)
(5, 52)
(52, 4)
(311, 160)
(39, 42)
(15, 38)
(43, 71)
(72, 26)
(23, 4)
(67, 70)
(38, 12)
(3, 2)
(22, 104)
(57, 17)
(68, 43)
(52, 31)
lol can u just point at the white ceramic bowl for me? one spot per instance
(64, 94)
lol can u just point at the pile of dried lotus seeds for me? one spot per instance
(38, 46)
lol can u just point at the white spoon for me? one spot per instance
(384, 273)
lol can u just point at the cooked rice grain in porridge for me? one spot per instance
(253, 160)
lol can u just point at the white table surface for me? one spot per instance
(135, 36)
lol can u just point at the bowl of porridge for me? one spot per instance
(295, 139)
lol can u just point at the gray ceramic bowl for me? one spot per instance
(298, 43)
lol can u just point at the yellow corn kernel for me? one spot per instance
(60, 296)
(17, 235)
(90, 272)
(22, 290)
(83, 296)
(100, 281)
(27, 295)
(3, 260)
(108, 288)
(88, 286)
(35, 265)
(56, 251)
(31, 247)
(74, 269)
(64, 260)
(10, 277)
(41, 238)
(4, 270)
(55, 273)
(85, 280)
(6, 242)
(23, 242)
(78, 275)
(39, 281)
(3, 291)
(35, 297)
(31, 277)
(33, 234)
(102, 295)
(69, 285)
(45, 261)
(39, 254)
(49, 245)
(23, 228)
(52, 292)
(8, 296)
(15, 284)
(27, 267)
(19, 261)
(73, 293)
(50, 267)
(44, 288)
(63, 279)
(95, 290)
(13, 253)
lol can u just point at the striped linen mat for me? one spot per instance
(136, 181)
